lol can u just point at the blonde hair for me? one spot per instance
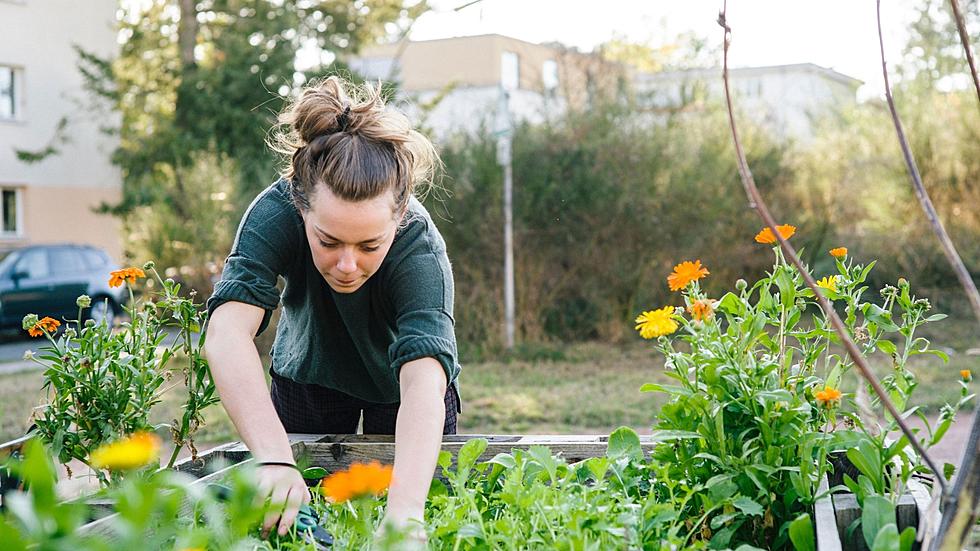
(341, 136)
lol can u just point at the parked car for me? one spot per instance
(47, 279)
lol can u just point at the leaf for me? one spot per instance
(876, 514)
(887, 539)
(667, 389)
(505, 460)
(668, 435)
(886, 346)
(906, 539)
(597, 466)
(624, 442)
(731, 304)
(469, 453)
(445, 460)
(801, 533)
(748, 506)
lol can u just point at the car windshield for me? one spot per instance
(6, 259)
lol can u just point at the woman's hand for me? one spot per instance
(409, 521)
(287, 492)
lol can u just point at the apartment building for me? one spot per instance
(45, 112)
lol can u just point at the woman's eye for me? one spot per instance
(327, 245)
(370, 249)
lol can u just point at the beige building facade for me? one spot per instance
(43, 107)
(467, 75)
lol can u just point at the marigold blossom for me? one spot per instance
(702, 309)
(839, 252)
(361, 479)
(118, 277)
(47, 324)
(828, 397)
(656, 323)
(966, 375)
(829, 283)
(132, 452)
(766, 236)
(685, 273)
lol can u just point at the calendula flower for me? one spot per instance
(135, 451)
(118, 277)
(361, 479)
(767, 238)
(829, 283)
(839, 252)
(685, 273)
(702, 309)
(46, 324)
(966, 375)
(656, 323)
(828, 397)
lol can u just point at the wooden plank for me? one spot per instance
(828, 538)
(105, 527)
(847, 510)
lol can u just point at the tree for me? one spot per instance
(206, 78)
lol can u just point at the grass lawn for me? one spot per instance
(579, 388)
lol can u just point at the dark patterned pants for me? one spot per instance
(314, 409)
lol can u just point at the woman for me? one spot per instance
(367, 320)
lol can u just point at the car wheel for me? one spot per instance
(102, 311)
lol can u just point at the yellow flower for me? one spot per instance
(118, 277)
(46, 324)
(829, 283)
(767, 238)
(685, 273)
(360, 479)
(132, 452)
(656, 323)
(702, 309)
(966, 375)
(828, 397)
(839, 252)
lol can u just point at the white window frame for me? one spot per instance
(550, 78)
(19, 215)
(506, 81)
(18, 103)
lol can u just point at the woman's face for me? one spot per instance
(349, 239)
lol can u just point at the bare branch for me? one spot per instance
(965, 39)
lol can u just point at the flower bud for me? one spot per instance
(741, 284)
(28, 355)
(903, 283)
(70, 333)
(30, 320)
(84, 301)
(148, 265)
(90, 322)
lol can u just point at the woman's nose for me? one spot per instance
(347, 262)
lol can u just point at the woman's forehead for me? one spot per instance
(351, 221)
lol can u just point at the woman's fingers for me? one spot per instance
(293, 502)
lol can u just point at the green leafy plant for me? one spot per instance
(102, 381)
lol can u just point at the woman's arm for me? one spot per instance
(238, 376)
(418, 438)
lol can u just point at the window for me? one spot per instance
(94, 259)
(34, 264)
(10, 212)
(549, 75)
(67, 262)
(510, 71)
(8, 92)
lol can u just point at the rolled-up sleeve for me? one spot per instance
(264, 245)
(422, 294)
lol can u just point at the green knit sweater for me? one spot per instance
(356, 342)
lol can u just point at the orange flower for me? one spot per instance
(828, 397)
(966, 375)
(702, 309)
(839, 252)
(118, 277)
(684, 273)
(360, 479)
(767, 238)
(46, 324)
